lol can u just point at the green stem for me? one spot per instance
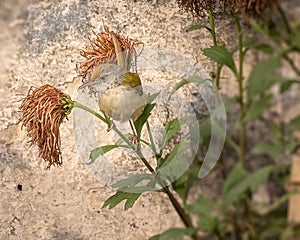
(240, 78)
(179, 209)
(213, 33)
(151, 138)
(212, 26)
(79, 105)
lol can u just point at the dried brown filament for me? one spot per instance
(43, 110)
(101, 50)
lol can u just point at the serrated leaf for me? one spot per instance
(221, 55)
(268, 149)
(120, 196)
(173, 234)
(100, 151)
(132, 180)
(262, 77)
(170, 130)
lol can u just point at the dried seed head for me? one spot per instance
(198, 7)
(253, 7)
(43, 110)
(102, 50)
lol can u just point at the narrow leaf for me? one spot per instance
(256, 108)
(250, 182)
(170, 130)
(139, 123)
(262, 77)
(183, 82)
(173, 234)
(237, 174)
(194, 27)
(100, 151)
(132, 180)
(268, 149)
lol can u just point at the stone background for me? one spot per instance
(39, 42)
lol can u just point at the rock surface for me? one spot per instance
(39, 43)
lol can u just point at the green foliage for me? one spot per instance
(100, 151)
(119, 196)
(262, 77)
(170, 130)
(235, 213)
(139, 123)
(173, 234)
(132, 180)
(239, 181)
(221, 55)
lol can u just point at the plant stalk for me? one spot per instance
(179, 209)
(213, 33)
(240, 78)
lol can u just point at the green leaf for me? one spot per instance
(286, 85)
(237, 174)
(183, 184)
(170, 130)
(292, 145)
(262, 77)
(252, 43)
(268, 149)
(295, 36)
(221, 55)
(152, 97)
(139, 123)
(250, 182)
(295, 123)
(132, 180)
(194, 27)
(201, 206)
(119, 196)
(100, 151)
(175, 164)
(265, 48)
(276, 204)
(173, 234)
(176, 151)
(121, 140)
(183, 82)
(259, 177)
(208, 224)
(257, 108)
